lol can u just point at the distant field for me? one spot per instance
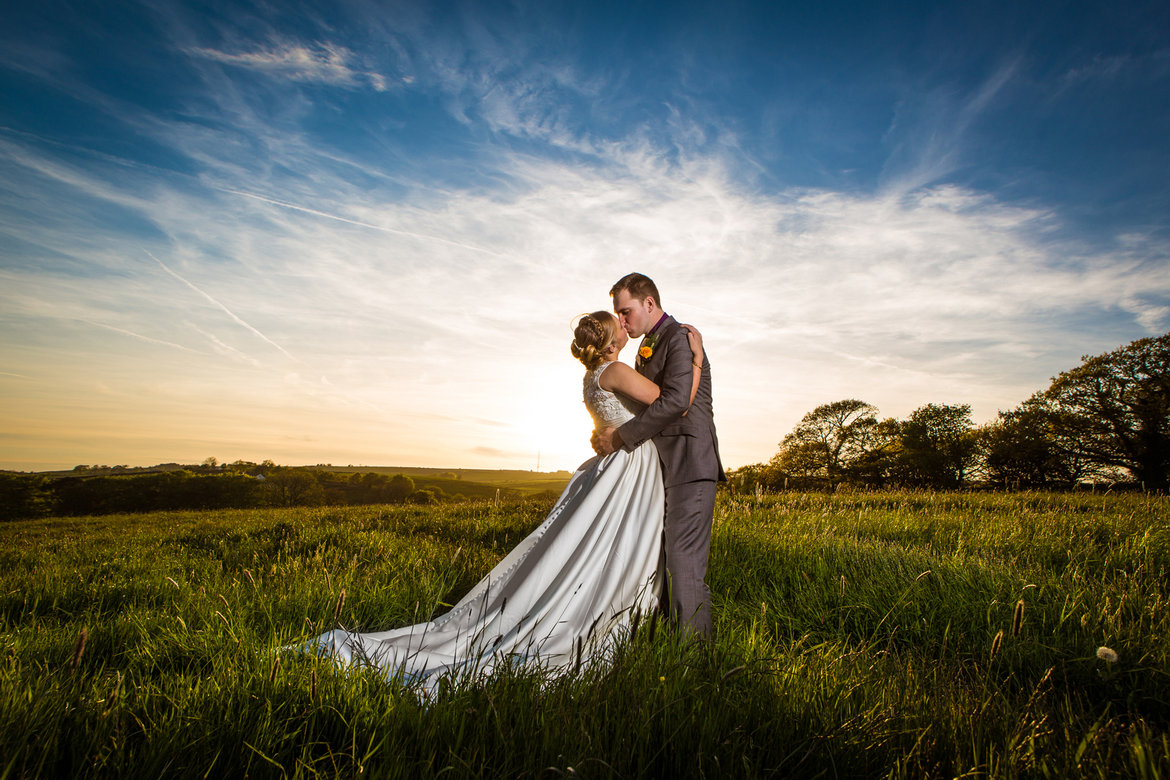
(858, 635)
(473, 482)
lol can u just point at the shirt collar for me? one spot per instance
(660, 319)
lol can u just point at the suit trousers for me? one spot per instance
(690, 508)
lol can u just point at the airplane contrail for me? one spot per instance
(225, 348)
(141, 337)
(226, 310)
(383, 228)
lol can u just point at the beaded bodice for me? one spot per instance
(608, 410)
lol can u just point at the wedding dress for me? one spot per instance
(564, 594)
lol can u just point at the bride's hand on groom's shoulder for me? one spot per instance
(695, 339)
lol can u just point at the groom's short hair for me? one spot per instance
(639, 286)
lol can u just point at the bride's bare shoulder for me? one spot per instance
(615, 375)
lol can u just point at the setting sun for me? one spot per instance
(553, 423)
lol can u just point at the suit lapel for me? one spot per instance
(654, 344)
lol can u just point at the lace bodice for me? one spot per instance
(608, 410)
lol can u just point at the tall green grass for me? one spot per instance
(858, 635)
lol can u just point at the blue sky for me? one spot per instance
(356, 232)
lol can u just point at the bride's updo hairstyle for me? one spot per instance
(592, 336)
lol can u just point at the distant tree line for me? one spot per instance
(238, 485)
(1108, 420)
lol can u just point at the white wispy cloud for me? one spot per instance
(804, 297)
(321, 63)
(930, 128)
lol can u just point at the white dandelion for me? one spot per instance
(1107, 654)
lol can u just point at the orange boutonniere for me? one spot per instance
(646, 350)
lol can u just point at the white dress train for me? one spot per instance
(565, 593)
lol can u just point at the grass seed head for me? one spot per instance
(113, 699)
(1018, 618)
(996, 644)
(340, 606)
(79, 649)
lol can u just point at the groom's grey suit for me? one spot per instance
(689, 452)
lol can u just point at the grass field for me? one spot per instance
(858, 635)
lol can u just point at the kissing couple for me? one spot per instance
(629, 536)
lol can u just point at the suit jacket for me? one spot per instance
(687, 446)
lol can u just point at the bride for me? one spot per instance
(572, 587)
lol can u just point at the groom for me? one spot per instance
(686, 445)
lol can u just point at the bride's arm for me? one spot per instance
(620, 378)
(695, 339)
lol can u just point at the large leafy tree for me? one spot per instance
(1022, 448)
(1114, 410)
(938, 447)
(828, 440)
(879, 463)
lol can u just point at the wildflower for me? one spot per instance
(661, 679)
(1107, 654)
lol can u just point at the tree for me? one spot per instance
(1021, 449)
(293, 487)
(399, 489)
(938, 447)
(828, 440)
(424, 496)
(879, 463)
(24, 496)
(1114, 410)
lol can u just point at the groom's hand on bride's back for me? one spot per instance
(605, 441)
